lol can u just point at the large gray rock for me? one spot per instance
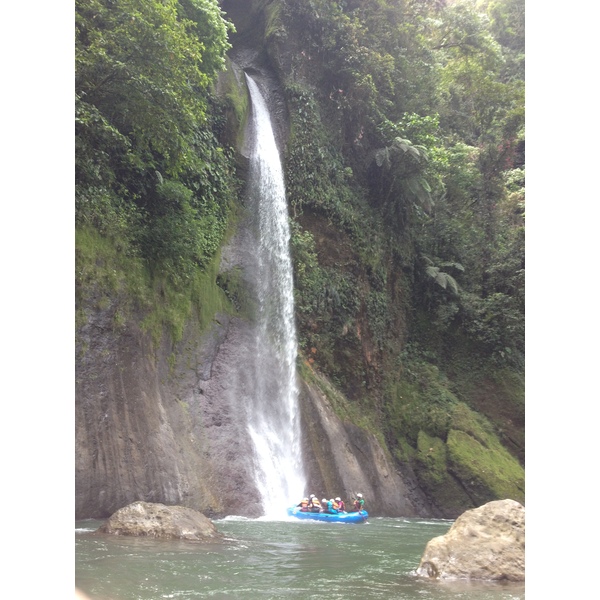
(159, 521)
(485, 543)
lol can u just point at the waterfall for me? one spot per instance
(271, 394)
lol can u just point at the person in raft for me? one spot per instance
(339, 504)
(303, 505)
(328, 506)
(313, 504)
(359, 503)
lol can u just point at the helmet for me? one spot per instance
(359, 495)
(324, 500)
(312, 496)
(338, 499)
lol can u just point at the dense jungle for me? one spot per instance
(402, 124)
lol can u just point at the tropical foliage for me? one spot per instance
(408, 137)
(405, 173)
(150, 172)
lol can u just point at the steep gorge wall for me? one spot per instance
(344, 459)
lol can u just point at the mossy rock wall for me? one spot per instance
(469, 468)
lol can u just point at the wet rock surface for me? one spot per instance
(344, 459)
(485, 543)
(159, 521)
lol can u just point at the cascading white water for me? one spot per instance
(272, 397)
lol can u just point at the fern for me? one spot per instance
(404, 164)
(446, 280)
(442, 278)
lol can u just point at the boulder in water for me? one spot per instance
(485, 543)
(160, 521)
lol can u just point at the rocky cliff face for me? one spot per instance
(153, 430)
(344, 459)
(159, 425)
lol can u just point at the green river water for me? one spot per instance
(261, 559)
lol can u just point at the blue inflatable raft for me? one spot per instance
(343, 517)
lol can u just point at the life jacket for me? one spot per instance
(330, 507)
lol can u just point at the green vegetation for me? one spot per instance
(405, 174)
(154, 185)
(108, 279)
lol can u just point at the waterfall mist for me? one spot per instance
(270, 391)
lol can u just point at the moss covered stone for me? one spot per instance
(470, 467)
(487, 470)
(432, 471)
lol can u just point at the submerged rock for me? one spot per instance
(160, 521)
(485, 543)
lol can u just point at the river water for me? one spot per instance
(268, 560)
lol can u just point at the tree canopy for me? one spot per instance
(148, 167)
(427, 99)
